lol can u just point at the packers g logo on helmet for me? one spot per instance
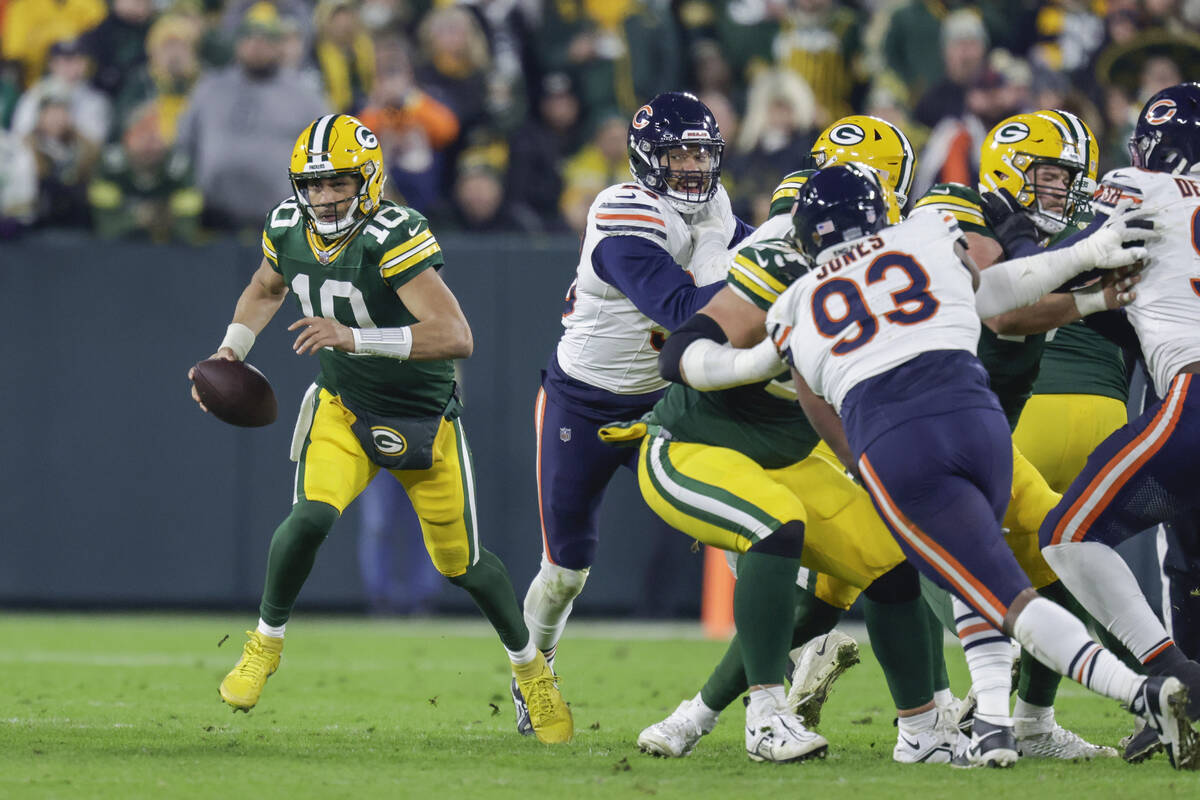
(1022, 142)
(874, 142)
(338, 144)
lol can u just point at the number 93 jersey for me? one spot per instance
(874, 303)
(354, 280)
(1166, 311)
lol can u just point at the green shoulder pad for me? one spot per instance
(960, 201)
(785, 193)
(760, 273)
(400, 242)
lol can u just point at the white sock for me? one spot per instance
(548, 602)
(704, 716)
(270, 630)
(1029, 719)
(766, 701)
(918, 723)
(1103, 583)
(942, 698)
(523, 656)
(989, 659)
(1053, 636)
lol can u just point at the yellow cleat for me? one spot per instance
(548, 712)
(260, 658)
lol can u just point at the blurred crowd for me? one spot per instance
(173, 119)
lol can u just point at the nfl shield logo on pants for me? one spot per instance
(564, 434)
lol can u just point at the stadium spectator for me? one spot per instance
(10, 91)
(344, 54)
(142, 189)
(743, 32)
(455, 63)
(711, 71)
(30, 27)
(239, 119)
(298, 12)
(951, 155)
(916, 24)
(479, 192)
(964, 55)
(539, 147)
(65, 159)
(414, 129)
(18, 185)
(91, 111)
(821, 41)
(117, 45)
(777, 132)
(509, 29)
(167, 78)
(602, 162)
(616, 52)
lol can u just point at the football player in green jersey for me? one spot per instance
(385, 329)
(1035, 172)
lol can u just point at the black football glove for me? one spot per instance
(1008, 221)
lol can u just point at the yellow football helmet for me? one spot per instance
(874, 142)
(338, 144)
(1020, 143)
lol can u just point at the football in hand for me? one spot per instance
(235, 392)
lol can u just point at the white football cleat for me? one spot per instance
(817, 664)
(673, 737)
(779, 736)
(1045, 738)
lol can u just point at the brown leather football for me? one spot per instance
(235, 392)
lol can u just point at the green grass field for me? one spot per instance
(126, 707)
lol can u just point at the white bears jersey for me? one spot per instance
(608, 342)
(875, 303)
(1166, 312)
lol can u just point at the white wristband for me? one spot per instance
(239, 339)
(386, 342)
(1090, 301)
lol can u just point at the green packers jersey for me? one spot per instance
(354, 280)
(1011, 361)
(763, 420)
(1080, 361)
(1077, 359)
(785, 193)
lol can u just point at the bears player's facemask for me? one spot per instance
(1018, 155)
(332, 147)
(675, 150)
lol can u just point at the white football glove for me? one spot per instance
(1110, 247)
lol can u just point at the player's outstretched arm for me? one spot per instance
(1117, 242)
(707, 352)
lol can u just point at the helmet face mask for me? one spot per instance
(1167, 135)
(1017, 152)
(675, 150)
(331, 147)
(836, 205)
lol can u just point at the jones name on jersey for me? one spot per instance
(354, 281)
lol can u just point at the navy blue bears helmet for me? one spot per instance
(837, 204)
(1167, 136)
(679, 122)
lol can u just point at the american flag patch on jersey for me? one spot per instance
(824, 227)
